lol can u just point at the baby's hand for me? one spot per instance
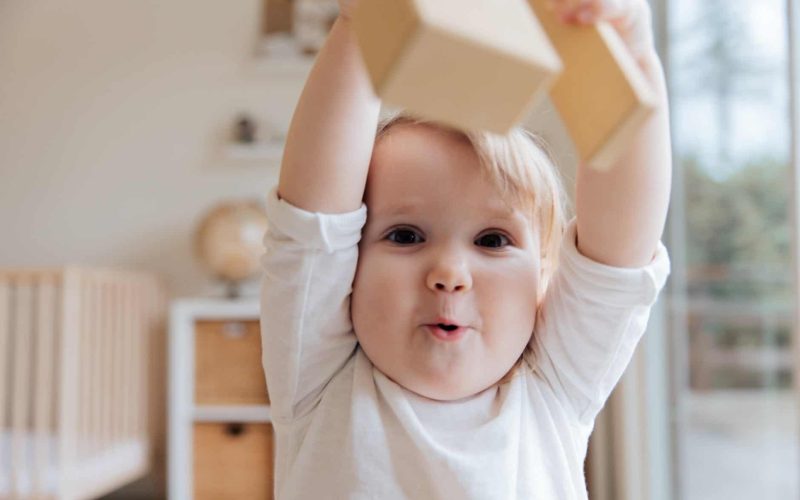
(631, 19)
(346, 8)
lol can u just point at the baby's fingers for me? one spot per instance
(632, 19)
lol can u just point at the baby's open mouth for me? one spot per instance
(447, 331)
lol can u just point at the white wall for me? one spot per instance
(113, 116)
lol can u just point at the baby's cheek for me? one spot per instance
(378, 271)
(517, 295)
(376, 280)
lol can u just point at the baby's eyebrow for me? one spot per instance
(502, 212)
(399, 209)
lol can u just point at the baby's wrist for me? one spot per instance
(651, 66)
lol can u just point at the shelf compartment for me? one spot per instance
(228, 363)
(233, 461)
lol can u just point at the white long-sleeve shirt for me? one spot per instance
(345, 430)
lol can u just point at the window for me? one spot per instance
(732, 303)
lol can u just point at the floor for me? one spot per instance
(741, 445)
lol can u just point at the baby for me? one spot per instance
(459, 341)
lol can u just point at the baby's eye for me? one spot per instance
(492, 240)
(404, 237)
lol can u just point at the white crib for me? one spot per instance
(76, 365)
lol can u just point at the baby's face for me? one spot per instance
(441, 246)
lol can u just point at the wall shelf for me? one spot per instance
(270, 151)
(295, 67)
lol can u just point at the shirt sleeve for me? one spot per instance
(590, 322)
(306, 333)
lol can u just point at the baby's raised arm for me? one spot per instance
(330, 139)
(621, 213)
(315, 222)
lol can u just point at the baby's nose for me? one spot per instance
(450, 277)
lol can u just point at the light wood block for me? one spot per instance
(228, 363)
(233, 461)
(602, 95)
(472, 64)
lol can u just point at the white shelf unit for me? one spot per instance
(183, 413)
(242, 413)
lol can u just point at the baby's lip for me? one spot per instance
(442, 320)
(447, 333)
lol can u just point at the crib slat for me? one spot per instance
(138, 358)
(130, 330)
(125, 402)
(108, 334)
(159, 341)
(84, 389)
(44, 387)
(130, 361)
(21, 382)
(111, 343)
(97, 368)
(118, 383)
(85, 352)
(150, 356)
(68, 357)
(123, 347)
(104, 364)
(5, 341)
(90, 360)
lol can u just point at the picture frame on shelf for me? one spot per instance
(295, 29)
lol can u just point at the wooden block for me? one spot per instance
(472, 64)
(233, 461)
(602, 95)
(228, 363)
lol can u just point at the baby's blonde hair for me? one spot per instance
(521, 168)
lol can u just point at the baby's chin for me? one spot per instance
(439, 390)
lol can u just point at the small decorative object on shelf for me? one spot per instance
(252, 143)
(228, 242)
(245, 132)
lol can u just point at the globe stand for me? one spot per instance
(233, 290)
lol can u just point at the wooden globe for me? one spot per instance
(228, 241)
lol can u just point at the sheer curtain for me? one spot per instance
(709, 408)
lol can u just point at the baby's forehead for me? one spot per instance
(409, 152)
(422, 161)
(408, 138)
(410, 205)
